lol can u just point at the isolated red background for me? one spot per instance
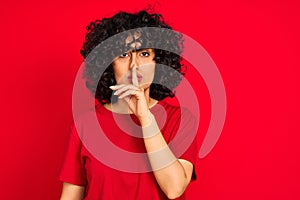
(254, 43)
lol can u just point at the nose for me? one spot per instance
(133, 61)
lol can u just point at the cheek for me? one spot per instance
(148, 72)
(150, 69)
(121, 74)
(118, 71)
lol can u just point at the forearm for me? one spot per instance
(168, 171)
(72, 192)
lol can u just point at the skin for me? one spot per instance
(134, 98)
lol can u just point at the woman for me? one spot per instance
(133, 84)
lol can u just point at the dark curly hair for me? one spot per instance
(98, 61)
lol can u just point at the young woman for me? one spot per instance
(134, 83)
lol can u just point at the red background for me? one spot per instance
(255, 45)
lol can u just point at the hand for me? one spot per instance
(135, 98)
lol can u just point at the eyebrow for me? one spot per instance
(142, 49)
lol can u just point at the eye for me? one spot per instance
(145, 54)
(124, 55)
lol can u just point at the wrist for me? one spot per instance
(146, 119)
(150, 128)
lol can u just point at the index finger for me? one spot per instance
(135, 81)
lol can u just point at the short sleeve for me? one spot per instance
(188, 132)
(191, 155)
(72, 170)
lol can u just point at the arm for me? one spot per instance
(174, 178)
(72, 192)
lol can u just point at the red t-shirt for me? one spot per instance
(103, 182)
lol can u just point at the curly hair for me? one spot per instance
(100, 60)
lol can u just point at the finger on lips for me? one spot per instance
(135, 81)
(123, 90)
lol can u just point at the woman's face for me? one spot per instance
(135, 67)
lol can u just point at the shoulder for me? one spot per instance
(89, 114)
(84, 123)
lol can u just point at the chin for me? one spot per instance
(145, 85)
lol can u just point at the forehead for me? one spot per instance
(133, 40)
(132, 37)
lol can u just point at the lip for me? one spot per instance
(139, 77)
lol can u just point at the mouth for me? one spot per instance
(139, 78)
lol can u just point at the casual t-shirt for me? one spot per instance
(103, 182)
